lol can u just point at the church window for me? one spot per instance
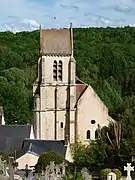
(61, 125)
(93, 121)
(88, 134)
(96, 134)
(60, 71)
(55, 71)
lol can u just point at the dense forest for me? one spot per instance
(105, 59)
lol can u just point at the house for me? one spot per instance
(32, 149)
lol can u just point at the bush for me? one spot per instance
(75, 175)
(104, 173)
(46, 158)
(118, 173)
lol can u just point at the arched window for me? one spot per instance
(60, 71)
(96, 134)
(55, 71)
(88, 134)
(61, 125)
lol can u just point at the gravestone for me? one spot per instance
(63, 166)
(85, 174)
(55, 172)
(128, 168)
(51, 171)
(3, 169)
(11, 169)
(111, 176)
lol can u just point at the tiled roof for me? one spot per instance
(80, 88)
(55, 42)
(10, 136)
(40, 146)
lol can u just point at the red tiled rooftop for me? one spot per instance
(80, 88)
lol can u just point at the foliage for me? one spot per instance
(104, 173)
(90, 156)
(118, 173)
(45, 159)
(105, 59)
(3, 156)
(18, 56)
(76, 175)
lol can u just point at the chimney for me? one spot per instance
(2, 121)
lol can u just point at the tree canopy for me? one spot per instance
(105, 59)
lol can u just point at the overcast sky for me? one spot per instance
(28, 14)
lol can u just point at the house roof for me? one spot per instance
(39, 146)
(55, 42)
(11, 136)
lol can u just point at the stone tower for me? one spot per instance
(54, 89)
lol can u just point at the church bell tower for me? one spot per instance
(54, 89)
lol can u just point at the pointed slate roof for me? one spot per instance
(1, 114)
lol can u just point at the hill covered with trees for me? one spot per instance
(105, 59)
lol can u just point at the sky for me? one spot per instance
(20, 15)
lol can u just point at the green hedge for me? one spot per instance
(104, 173)
(118, 173)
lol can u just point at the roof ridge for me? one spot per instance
(28, 139)
(16, 125)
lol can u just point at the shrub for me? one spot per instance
(118, 173)
(75, 175)
(46, 158)
(104, 173)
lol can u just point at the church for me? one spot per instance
(64, 106)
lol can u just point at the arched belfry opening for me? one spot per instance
(60, 70)
(55, 70)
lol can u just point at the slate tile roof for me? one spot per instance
(12, 135)
(39, 146)
(55, 42)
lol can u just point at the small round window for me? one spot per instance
(93, 121)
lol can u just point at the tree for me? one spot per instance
(14, 96)
(45, 159)
(91, 156)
